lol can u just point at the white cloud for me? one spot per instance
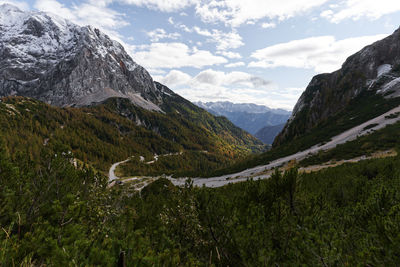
(215, 78)
(237, 12)
(174, 55)
(179, 25)
(87, 14)
(229, 54)
(184, 27)
(268, 25)
(156, 72)
(323, 53)
(237, 78)
(327, 14)
(174, 78)
(230, 12)
(159, 34)
(55, 7)
(20, 4)
(238, 87)
(234, 65)
(356, 9)
(224, 40)
(161, 5)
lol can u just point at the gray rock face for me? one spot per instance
(53, 60)
(374, 68)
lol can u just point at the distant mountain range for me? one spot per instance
(250, 117)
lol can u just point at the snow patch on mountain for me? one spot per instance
(392, 85)
(54, 60)
(383, 69)
(248, 116)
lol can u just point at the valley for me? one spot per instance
(251, 118)
(105, 162)
(265, 171)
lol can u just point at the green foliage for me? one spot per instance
(365, 107)
(187, 164)
(381, 140)
(369, 126)
(58, 215)
(393, 116)
(115, 130)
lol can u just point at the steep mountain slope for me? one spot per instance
(250, 117)
(366, 86)
(53, 60)
(267, 134)
(115, 130)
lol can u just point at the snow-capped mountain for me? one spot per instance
(250, 117)
(226, 106)
(49, 58)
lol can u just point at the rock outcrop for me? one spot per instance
(53, 60)
(374, 68)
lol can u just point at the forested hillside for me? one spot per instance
(58, 215)
(115, 130)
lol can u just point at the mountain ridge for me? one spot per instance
(51, 59)
(248, 116)
(373, 72)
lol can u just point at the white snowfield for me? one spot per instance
(262, 172)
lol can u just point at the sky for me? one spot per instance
(254, 51)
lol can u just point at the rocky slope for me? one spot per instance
(51, 59)
(250, 117)
(373, 71)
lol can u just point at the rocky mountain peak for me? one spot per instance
(375, 68)
(54, 60)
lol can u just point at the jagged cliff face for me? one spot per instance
(53, 60)
(374, 68)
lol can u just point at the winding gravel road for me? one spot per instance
(111, 172)
(262, 172)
